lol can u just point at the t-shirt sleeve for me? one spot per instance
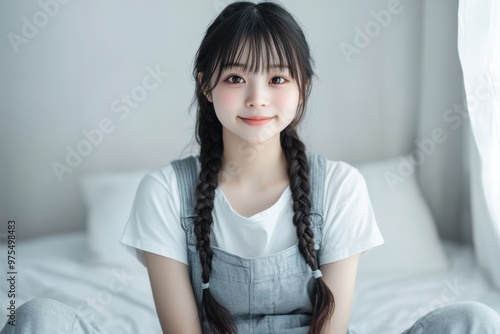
(350, 227)
(154, 225)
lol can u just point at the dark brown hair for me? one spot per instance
(264, 28)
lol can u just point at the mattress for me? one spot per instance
(120, 298)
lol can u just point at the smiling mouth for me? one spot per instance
(256, 121)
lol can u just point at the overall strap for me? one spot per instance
(186, 171)
(317, 171)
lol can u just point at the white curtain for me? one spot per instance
(479, 52)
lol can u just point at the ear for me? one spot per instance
(207, 95)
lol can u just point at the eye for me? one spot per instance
(278, 80)
(235, 79)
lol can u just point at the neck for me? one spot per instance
(256, 164)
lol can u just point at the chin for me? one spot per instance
(263, 138)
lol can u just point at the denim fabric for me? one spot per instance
(458, 318)
(47, 316)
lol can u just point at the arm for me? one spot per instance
(340, 276)
(173, 295)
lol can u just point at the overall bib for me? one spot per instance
(268, 294)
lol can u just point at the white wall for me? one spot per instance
(65, 79)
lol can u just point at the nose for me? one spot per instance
(258, 97)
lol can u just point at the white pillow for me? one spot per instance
(412, 245)
(109, 198)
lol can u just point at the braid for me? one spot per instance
(298, 174)
(211, 148)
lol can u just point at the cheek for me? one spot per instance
(287, 102)
(225, 98)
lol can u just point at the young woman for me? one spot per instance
(256, 234)
(230, 236)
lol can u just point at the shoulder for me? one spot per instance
(336, 173)
(349, 221)
(340, 173)
(165, 178)
(159, 177)
(342, 181)
(154, 223)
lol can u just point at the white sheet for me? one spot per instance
(392, 305)
(54, 267)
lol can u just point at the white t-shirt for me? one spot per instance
(349, 225)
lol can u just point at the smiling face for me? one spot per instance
(254, 106)
(256, 36)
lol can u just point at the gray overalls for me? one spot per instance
(269, 294)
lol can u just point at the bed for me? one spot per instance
(413, 273)
(56, 267)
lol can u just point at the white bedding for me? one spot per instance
(390, 306)
(55, 267)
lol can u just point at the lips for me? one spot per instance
(256, 120)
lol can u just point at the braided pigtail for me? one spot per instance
(298, 173)
(211, 148)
